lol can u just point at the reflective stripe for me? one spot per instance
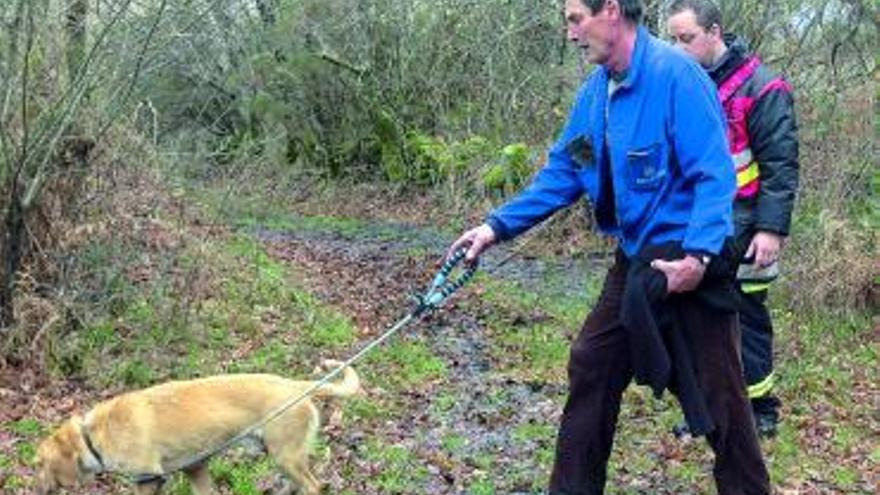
(752, 287)
(761, 388)
(747, 175)
(749, 272)
(742, 158)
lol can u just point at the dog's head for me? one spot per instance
(60, 458)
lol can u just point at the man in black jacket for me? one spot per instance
(762, 131)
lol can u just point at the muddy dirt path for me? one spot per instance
(367, 273)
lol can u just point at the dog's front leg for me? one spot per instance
(149, 487)
(201, 480)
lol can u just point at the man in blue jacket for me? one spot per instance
(646, 142)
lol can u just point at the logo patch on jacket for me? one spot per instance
(581, 151)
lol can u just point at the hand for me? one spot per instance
(681, 275)
(764, 248)
(477, 239)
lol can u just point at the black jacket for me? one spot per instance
(662, 356)
(772, 129)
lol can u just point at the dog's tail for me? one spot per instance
(348, 386)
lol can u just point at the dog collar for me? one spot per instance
(91, 446)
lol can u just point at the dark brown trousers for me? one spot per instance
(599, 370)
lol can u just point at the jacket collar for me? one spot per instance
(636, 59)
(737, 54)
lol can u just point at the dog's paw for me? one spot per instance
(334, 422)
(329, 364)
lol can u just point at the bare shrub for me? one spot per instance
(833, 260)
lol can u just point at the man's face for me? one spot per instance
(698, 42)
(591, 32)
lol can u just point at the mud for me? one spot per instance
(367, 272)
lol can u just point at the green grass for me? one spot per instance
(6, 462)
(535, 330)
(398, 470)
(253, 211)
(154, 337)
(27, 427)
(443, 403)
(241, 478)
(403, 364)
(482, 485)
(367, 409)
(135, 373)
(826, 359)
(543, 348)
(484, 461)
(15, 482)
(253, 309)
(535, 432)
(454, 443)
(26, 451)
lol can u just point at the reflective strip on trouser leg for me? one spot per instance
(752, 287)
(762, 388)
(757, 341)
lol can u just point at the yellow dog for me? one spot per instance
(147, 431)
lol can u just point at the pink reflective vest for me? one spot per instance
(737, 108)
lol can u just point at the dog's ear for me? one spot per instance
(57, 460)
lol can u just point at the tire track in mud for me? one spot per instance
(367, 273)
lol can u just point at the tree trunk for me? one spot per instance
(75, 26)
(12, 249)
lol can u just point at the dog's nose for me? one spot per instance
(43, 488)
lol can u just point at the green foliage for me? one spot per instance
(867, 212)
(346, 91)
(135, 374)
(511, 171)
(439, 162)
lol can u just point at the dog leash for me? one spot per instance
(444, 284)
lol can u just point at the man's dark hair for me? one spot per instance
(631, 9)
(706, 12)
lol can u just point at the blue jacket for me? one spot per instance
(673, 176)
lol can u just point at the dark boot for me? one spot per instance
(766, 412)
(681, 430)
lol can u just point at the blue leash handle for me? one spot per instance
(442, 287)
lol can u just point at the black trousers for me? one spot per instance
(599, 370)
(757, 351)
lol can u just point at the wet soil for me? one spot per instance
(368, 273)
